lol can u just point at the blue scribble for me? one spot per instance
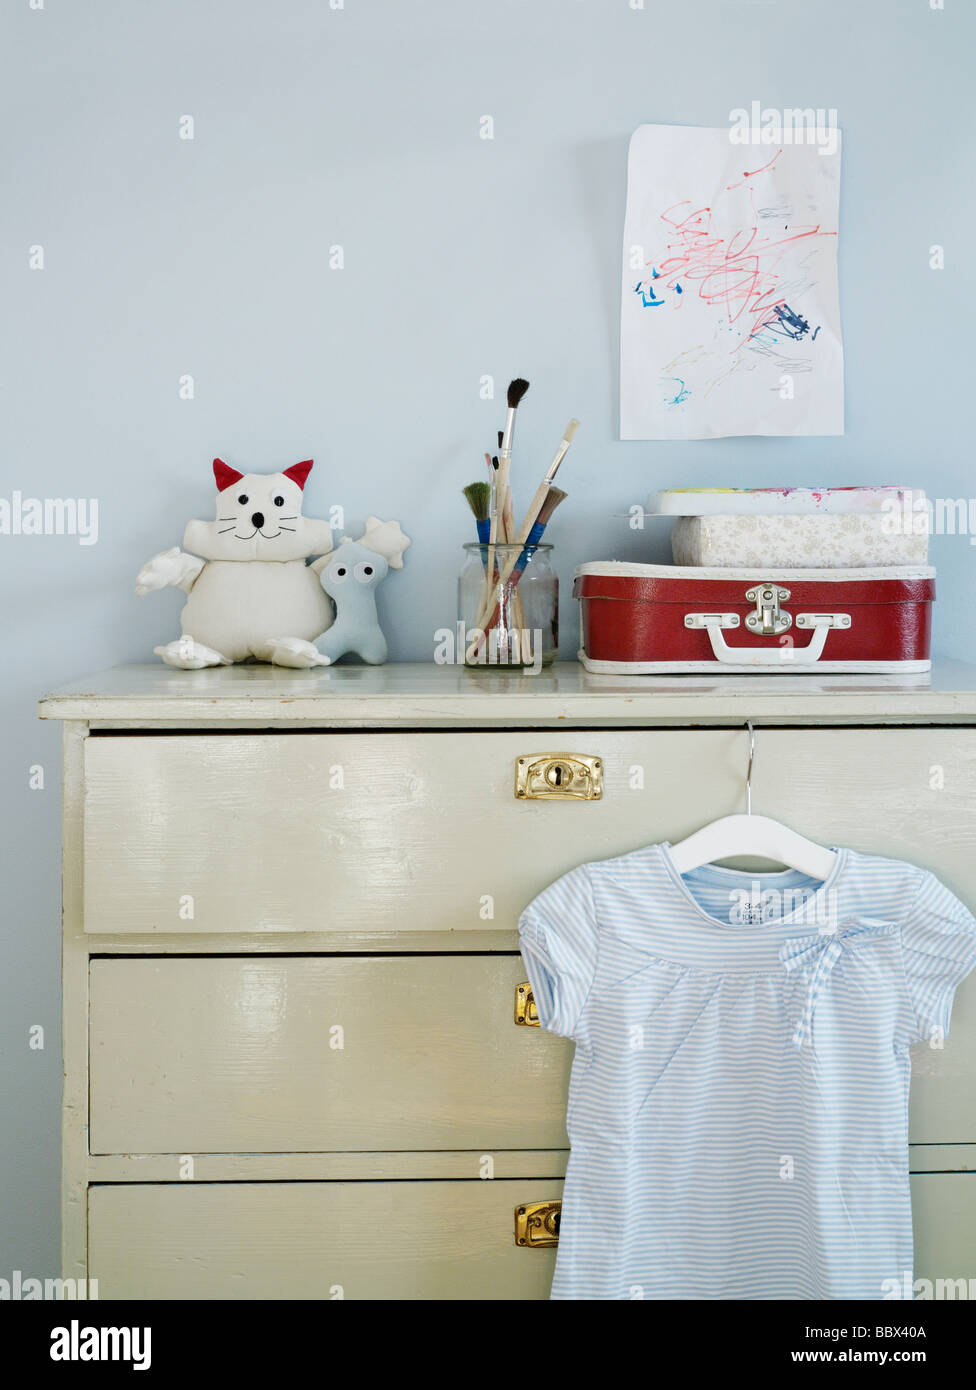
(791, 324)
(649, 303)
(681, 395)
(815, 332)
(655, 273)
(784, 324)
(678, 288)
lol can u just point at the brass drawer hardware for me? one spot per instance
(526, 1012)
(559, 777)
(537, 1224)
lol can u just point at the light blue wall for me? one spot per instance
(463, 257)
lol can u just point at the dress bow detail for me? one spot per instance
(819, 954)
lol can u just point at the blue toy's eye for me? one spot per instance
(243, 499)
(279, 501)
(338, 573)
(364, 573)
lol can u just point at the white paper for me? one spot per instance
(730, 322)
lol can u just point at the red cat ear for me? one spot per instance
(299, 472)
(225, 475)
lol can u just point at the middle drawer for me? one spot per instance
(284, 1054)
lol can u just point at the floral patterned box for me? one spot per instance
(826, 541)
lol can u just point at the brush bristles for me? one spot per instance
(494, 462)
(516, 390)
(554, 496)
(570, 431)
(479, 499)
(501, 438)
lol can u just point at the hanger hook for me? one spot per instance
(752, 758)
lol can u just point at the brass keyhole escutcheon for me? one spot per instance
(526, 1010)
(537, 1224)
(559, 777)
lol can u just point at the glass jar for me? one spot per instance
(516, 624)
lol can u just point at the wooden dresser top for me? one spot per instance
(424, 695)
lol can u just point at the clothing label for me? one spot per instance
(752, 908)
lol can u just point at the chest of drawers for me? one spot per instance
(293, 1066)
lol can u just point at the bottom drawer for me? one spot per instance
(398, 1240)
(944, 1218)
(319, 1240)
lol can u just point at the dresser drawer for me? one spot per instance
(312, 1240)
(389, 1240)
(944, 1221)
(388, 833)
(304, 1054)
(324, 1054)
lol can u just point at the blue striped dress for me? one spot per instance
(738, 1100)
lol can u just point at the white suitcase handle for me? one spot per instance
(786, 655)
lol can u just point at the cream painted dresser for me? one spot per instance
(291, 974)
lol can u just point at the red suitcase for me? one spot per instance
(654, 619)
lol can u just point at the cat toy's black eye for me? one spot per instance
(243, 498)
(279, 501)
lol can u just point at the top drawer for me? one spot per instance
(371, 832)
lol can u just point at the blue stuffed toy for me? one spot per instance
(349, 575)
(350, 580)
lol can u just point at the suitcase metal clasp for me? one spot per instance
(768, 618)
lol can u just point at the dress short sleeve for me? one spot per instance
(939, 950)
(558, 936)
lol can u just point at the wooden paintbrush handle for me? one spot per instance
(508, 517)
(494, 591)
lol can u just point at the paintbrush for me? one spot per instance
(553, 498)
(531, 517)
(506, 528)
(479, 500)
(506, 533)
(516, 390)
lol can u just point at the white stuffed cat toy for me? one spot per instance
(251, 594)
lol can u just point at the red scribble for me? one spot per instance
(751, 174)
(741, 273)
